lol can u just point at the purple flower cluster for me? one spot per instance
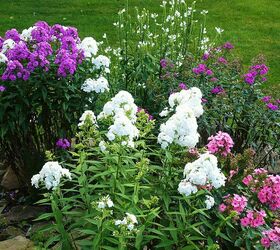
(40, 45)
(168, 69)
(217, 50)
(182, 85)
(63, 143)
(202, 69)
(217, 90)
(222, 60)
(228, 46)
(2, 88)
(256, 70)
(270, 104)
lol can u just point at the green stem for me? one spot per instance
(66, 241)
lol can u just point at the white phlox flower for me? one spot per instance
(50, 174)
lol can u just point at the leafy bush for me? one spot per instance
(128, 188)
(42, 71)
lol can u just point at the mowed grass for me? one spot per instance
(253, 26)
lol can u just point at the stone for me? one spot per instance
(9, 232)
(17, 243)
(22, 213)
(10, 180)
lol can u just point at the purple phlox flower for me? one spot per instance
(12, 34)
(43, 25)
(69, 43)
(205, 56)
(266, 98)
(2, 88)
(1, 42)
(72, 32)
(163, 63)
(40, 34)
(214, 79)
(63, 143)
(217, 90)
(18, 52)
(249, 78)
(209, 72)
(272, 106)
(256, 70)
(57, 31)
(222, 60)
(15, 70)
(67, 66)
(228, 46)
(182, 85)
(202, 69)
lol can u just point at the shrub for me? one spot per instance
(42, 71)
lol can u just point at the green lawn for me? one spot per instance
(253, 26)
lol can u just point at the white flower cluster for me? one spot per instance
(202, 172)
(123, 111)
(50, 174)
(105, 202)
(99, 85)
(26, 34)
(181, 127)
(3, 58)
(129, 220)
(89, 46)
(88, 114)
(102, 146)
(101, 62)
(7, 45)
(209, 202)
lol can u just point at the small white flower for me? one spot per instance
(204, 12)
(88, 114)
(102, 146)
(219, 30)
(101, 204)
(209, 202)
(3, 58)
(50, 174)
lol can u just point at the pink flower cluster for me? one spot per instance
(236, 203)
(267, 187)
(220, 143)
(253, 219)
(272, 235)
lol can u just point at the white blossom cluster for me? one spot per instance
(26, 34)
(99, 85)
(209, 202)
(204, 171)
(122, 110)
(3, 58)
(88, 114)
(101, 62)
(181, 127)
(50, 174)
(129, 221)
(7, 45)
(105, 202)
(89, 46)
